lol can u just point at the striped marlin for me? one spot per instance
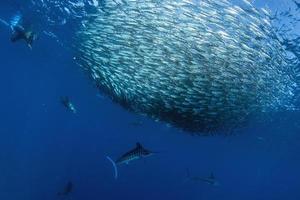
(137, 153)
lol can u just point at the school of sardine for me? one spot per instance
(202, 66)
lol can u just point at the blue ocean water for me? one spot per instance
(43, 146)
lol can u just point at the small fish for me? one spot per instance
(137, 153)
(190, 76)
(67, 189)
(211, 180)
(68, 104)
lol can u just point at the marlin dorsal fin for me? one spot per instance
(138, 145)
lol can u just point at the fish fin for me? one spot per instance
(114, 165)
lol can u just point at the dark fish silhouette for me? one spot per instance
(68, 104)
(211, 180)
(67, 189)
(138, 152)
(20, 33)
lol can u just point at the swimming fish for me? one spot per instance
(211, 180)
(136, 153)
(67, 189)
(68, 104)
(203, 66)
(20, 33)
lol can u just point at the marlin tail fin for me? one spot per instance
(114, 165)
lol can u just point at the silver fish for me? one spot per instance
(202, 66)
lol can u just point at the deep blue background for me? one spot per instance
(43, 146)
